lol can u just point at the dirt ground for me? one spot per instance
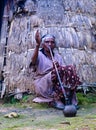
(34, 116)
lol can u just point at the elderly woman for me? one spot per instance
(46, 83)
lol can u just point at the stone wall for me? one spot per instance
(72, 22)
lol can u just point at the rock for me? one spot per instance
(12, 115)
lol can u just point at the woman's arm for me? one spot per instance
(36, 50)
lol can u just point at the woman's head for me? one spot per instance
(48, 40)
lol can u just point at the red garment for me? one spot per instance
(69, 79)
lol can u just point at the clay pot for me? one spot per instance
(70, 111)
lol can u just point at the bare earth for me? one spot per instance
(41, 117)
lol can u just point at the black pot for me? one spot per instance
(70, 111)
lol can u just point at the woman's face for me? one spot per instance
(49, 42)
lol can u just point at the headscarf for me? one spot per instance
(47, 36)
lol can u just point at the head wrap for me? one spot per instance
(47, 36)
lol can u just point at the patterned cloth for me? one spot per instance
(69, 79)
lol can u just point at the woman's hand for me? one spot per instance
(55, 63)
(38, 38)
